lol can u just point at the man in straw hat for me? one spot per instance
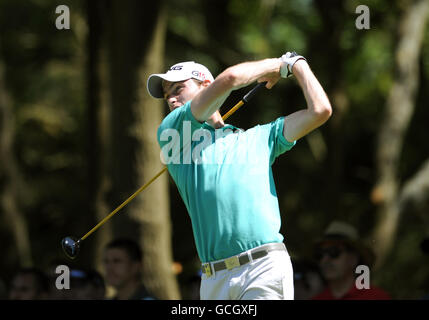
(338, 254)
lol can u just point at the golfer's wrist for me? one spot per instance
(289, 59)
(299, 66)
(279, 63)
(273, 66)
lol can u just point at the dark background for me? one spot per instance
(331, 174)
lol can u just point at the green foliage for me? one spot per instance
(46, 78)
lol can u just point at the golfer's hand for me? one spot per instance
(271, 77)
(271, 81)
(287, 62)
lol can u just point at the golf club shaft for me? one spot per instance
(123, 204)
(245, 99)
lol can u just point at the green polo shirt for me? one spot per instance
(225, 179)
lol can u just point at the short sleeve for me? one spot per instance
(277, 141)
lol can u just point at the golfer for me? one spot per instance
(224, 174)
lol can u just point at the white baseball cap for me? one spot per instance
(179, 72)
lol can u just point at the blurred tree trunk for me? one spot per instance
(414, 196)
(136, 47)
(153, 208)
(399, 109)
(333, 17)
(11, 181)
(97, 126)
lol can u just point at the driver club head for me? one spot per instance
(71, 246)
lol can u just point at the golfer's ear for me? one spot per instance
(206, 83)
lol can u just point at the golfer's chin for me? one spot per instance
(174, 107)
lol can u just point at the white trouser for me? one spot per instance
(267, 278)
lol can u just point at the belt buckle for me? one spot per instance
(207, 270)
(232, 262)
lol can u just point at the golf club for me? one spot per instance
(71, 245)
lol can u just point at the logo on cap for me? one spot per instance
(175, 68)
(199, 74)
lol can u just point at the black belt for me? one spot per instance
(241, 259)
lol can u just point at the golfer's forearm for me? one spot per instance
(318, 111)
(210, 100)
(246, 73)
(317, 100)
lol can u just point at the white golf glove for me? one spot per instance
(288, 60)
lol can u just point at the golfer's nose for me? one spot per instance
(171, 100)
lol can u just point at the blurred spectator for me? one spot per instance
(308, 280)
(338, 253)
(123, 267)
(86, 285)
(29, 284)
